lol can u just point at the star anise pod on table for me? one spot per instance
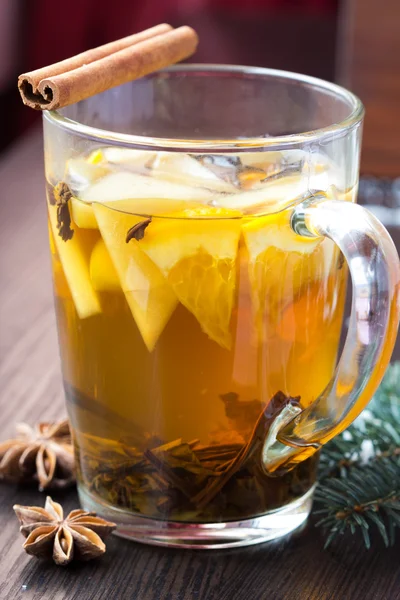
(44, 453)
(79, 535)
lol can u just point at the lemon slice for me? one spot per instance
(196, 252)
(148, 294)
(274, 231)
(74, 256)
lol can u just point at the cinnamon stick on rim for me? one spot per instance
(102, 68)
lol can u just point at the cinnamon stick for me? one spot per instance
(102, 68)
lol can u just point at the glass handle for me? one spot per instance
(375, 271)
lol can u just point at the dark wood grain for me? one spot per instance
(30, 389)
(369, 64)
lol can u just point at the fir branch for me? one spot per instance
(360, 470)
(368, 496)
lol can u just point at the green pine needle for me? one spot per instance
(359, 476)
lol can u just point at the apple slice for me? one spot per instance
(148, 294)
(102, 271)
(81, 173)
(124, 185)
(74, 256)
(128, 157)
(185, 169)
(141, 194)
(82, 214)
(269, 197)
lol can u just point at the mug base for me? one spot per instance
(203, 536)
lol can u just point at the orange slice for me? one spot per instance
(195, 249)
(279, 262)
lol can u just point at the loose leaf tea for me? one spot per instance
(182, 480)
(242, 414)
(251, 451)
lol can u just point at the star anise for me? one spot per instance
(44, 453)
(80, 535)
(137, 231)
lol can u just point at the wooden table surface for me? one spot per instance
(30, 390)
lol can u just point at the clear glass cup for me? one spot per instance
(201, 222)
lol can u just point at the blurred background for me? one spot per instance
(353, 42)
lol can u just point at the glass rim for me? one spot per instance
(251, 144)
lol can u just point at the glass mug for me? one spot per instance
(201, 222)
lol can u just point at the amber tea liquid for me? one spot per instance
(180, 323)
